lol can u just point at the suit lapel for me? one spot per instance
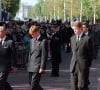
(35, 44)
(5, 44)
(38, 42)
(74, 43)
(78, 43)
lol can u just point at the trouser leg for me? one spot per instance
(4, 85)
(34, 79)
(74, 81)
(83, 80)
(55, 68)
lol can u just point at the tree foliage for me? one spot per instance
(46, 8)
(11, 6)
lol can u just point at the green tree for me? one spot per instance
(11, 6)
(47, 8)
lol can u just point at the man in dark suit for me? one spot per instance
(37, 57)
(82, 55)
(92, 34)
(7, 59)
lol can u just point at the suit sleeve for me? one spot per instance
(90, 51)
(44, 53)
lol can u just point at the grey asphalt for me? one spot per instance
(19, 80)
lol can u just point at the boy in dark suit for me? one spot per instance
(82, 55)
(37, 57)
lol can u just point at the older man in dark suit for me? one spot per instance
(7, 59)
(82, 55)
(37, 57)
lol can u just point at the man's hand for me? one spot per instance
(14, 69)
(41, 71)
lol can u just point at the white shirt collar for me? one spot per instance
(79, 36)
(38, 37)
(86, 33)
(3, 39)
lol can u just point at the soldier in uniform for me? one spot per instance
(55, 47)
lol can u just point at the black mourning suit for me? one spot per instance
(82, 55)
(37, 59)
(7, 59)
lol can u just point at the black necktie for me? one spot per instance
(78, 38)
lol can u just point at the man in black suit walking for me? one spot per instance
(37, 57)
(7, 59)
(82, 55)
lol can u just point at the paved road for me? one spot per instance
(19, 81)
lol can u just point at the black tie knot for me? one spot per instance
(78, 38)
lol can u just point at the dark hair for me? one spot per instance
(86, 24)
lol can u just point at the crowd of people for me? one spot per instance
(30, 44)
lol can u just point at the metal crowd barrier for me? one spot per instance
(21, 55)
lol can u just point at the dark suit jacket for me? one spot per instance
(7, 55)
(92, 34)
(37, 55)
(82, 53)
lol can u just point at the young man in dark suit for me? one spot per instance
(82, 55)
(92, 34)
(7, 59)
(37, 57)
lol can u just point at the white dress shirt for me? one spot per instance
(3, 39)
(86, 33)
(78, 37)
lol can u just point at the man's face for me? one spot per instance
(77, 30)
(84, 28)
(2, 32)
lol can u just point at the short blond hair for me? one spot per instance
(77, 24)
(33, 29)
